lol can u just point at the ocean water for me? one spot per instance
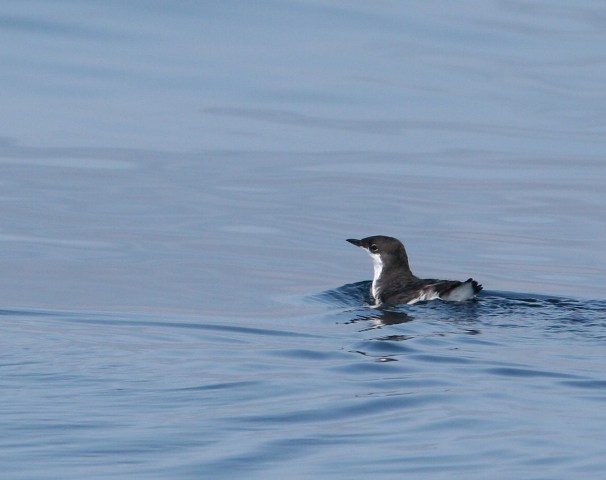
(177, 299)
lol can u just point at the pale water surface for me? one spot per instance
(177, 181)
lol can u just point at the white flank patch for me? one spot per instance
(424, 294)
(461, 293)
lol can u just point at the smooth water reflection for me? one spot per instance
(430, 389)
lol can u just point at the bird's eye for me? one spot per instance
(374, 248)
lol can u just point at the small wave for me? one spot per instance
(348, 295)
(554, 315)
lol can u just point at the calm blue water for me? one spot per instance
(177, 181)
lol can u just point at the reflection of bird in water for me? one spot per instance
(382, 317)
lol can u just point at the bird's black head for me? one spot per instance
(389, 249)
(378, 244)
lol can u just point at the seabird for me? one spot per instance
(393, 283)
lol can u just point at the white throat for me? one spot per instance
(378, 268)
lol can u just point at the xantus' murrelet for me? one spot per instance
(393, 282)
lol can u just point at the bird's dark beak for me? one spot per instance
(357, 243)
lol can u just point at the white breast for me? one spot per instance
(378, 268)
